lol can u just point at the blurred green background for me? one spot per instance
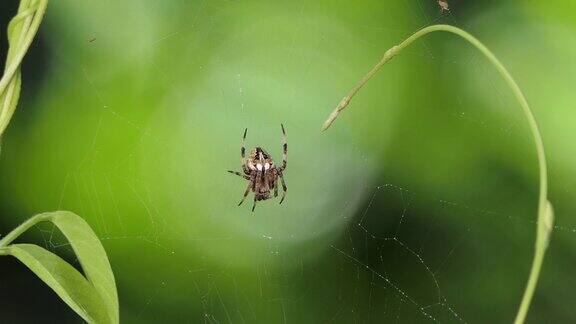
(418, 205)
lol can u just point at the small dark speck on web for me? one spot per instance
(92, 40)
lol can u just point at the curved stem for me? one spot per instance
(545, 213)
(26, 42)
(31, 12)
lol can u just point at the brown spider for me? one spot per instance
(443, 5)
(261, 171)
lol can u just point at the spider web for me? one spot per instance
(359, 238)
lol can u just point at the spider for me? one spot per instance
(443, 5)
(261, 171)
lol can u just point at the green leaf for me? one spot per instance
(93, 297)
(546, 226)
(9, 100)
(91, 255)
(66, 281)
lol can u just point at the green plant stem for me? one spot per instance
(32, 12)
(23, 228)
(545, 214)
(26, 38)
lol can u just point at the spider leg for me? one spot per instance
(273, 181)
(240, 174)
(243, 152)
(254, 206)
(284, 187)
(275, 185)
(246, 193)
(284, 149)
(256, 184)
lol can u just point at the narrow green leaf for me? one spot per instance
(91, 255)
(9, 100)
(547, 223)
(66, 281)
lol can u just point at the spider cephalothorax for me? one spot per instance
(261, 171)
